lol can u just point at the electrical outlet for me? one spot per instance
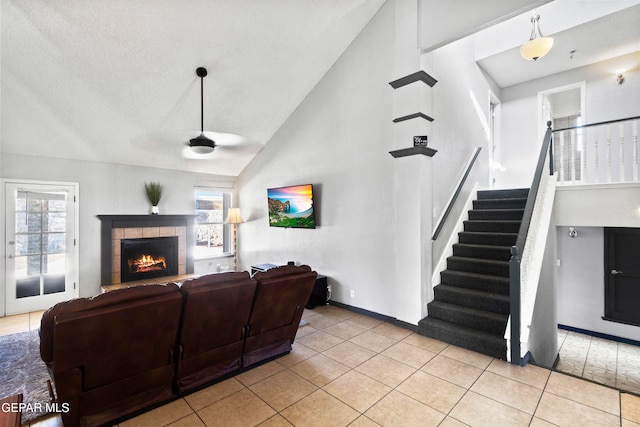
(352, 294)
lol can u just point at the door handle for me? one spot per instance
(616, 272)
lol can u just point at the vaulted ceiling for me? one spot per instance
(114, 81)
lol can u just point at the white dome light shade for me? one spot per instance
(537, 46)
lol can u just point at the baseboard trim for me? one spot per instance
(599, 335)
(389, 319)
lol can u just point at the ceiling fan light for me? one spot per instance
(202, 145)
(537, 46)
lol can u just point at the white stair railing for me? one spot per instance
(579, 149)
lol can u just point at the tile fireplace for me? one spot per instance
(136, 247)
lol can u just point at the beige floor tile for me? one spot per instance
(564, 412)
(345, 330)
(320, 370)
(276, 421)
(34, 319)
(373, 341)
(408, 354)
(585, 392)
(322, 321)
(212, 394)
(467, 356)
(357, 390)
(299, 353)
(425, 343)
(387, 371)
(627, 423)
(283, 389)
(319, 341)
(349, 354)
(532, 375)
(432, 391)
(333, 311)
(14, 324)
(396, 409)
(510, 392)
(363, 421)
(305, 329)
(392, 331)
(537, 422)
(320, 409)
(476, 410)
(364, 321)
(630, 407)
(161, 416)
(259, 373)
(451, 422)
(189, 421)
(240, 409)
(453, 371)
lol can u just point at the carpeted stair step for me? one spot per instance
(469, 338)
(478, 265)
(517, 193)
(500, 253)
(480, 282)
(493, 323)
(496, 214)
(483, 238)
(499, 204)
(492, 226)
(493, 302)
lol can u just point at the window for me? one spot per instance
(212, 234)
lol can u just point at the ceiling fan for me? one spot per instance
(201, 144)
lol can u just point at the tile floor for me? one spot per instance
(351, 370)
(606, 362)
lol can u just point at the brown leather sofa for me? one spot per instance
(121, 352)
(281, 295)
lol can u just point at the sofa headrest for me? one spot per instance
(84, 304)
(215, 279)
(285, 270)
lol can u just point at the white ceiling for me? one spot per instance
(114, 81)
(595, 30)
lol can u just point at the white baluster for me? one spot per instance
(608, 153)
(583, 155)
(634, 133)
(561, 159)
(596, 155)
(621, 143)
(572, 155)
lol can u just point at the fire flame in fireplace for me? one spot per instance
(147, 263)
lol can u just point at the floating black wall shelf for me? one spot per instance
(417, 76)
(413, 151)
(413, 116)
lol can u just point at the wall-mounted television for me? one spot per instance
(291, 207)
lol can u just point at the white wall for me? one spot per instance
(111, 189)
(338, 139)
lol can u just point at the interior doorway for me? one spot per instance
(622, 275)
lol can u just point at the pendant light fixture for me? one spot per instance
(537, 46)
(201, 144)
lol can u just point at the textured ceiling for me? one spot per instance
(114, 81)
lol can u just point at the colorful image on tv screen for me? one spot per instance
(291, 207)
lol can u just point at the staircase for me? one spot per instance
(471, 304)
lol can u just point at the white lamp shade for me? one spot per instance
(536, 48)
(233, 216)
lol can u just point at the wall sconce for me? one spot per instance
(573, 233)
(620, 78)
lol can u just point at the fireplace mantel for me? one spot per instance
(109, 222)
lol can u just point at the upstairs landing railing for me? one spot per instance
(598, 153)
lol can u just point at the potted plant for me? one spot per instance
(154, 193)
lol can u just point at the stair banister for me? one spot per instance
(517, 251)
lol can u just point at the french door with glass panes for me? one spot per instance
(41, 245)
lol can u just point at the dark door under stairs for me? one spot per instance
(470, 308)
